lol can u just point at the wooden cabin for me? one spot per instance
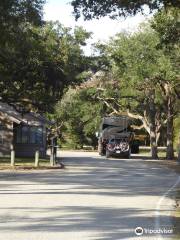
(24, 133)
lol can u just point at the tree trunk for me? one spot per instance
(152, 123)
(158, 134)
(178, 149)
(170, 147)
(153, 142)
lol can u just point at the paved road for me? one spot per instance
(93, 198)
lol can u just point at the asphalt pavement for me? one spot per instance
(92, 198)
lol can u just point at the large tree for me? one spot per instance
(166, 24)
(113, 8)
(14, 13)
(79, 117)
(39, 63)
(37, 59)
(131, 86)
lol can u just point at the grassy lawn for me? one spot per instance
(161, 153)
(23, 163)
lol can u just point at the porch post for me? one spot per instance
(12, 156)
(36, 158)
(52, 158)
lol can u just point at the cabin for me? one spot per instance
(25, 133)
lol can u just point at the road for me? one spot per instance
(92, 198)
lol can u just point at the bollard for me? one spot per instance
(12, 158)
(37, 158)
(52, 157)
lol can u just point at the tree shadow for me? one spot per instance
(108, 223)
(118, 179)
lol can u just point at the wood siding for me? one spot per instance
(21, 150)
(6, 135)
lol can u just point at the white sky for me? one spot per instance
(102, 29)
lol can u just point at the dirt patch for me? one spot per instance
(28, 164)
(173, 164)
(16, 168)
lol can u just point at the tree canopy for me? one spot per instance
(139, 78)
(114, 8)
(37, 59)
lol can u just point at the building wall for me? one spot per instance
(6, 135)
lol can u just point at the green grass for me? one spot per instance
(161, 153)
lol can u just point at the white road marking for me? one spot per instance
(158, 206)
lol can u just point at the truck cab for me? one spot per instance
(115, 137)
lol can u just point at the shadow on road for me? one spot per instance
(88, 177)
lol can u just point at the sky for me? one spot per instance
(102, 29)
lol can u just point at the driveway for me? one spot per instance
(92, 198)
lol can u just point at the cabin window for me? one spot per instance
(24, 134)
(36, 135)
(29, 134)
(18, 135)
(33, 135)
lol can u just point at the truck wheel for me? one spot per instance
(128, 154)
(108, 154)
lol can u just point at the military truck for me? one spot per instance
(115, 137)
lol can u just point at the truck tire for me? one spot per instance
(108, 155)
(128, 154)
(135, 148)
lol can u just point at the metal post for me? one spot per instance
(12, 158)
(52, 160)
(37, 158)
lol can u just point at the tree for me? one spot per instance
(39, 64)
(177, 135)
(132, 86)
(166, 24)
(80, 117)
(38, 60)
(15, 13)
(114, 8)
(16, 39)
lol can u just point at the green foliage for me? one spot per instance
(15, 13)
(81, 117)
(114, 8)
(133, 72)
(38, 63)
(176, 131)
(167, 25)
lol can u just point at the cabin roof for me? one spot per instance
(30, 118)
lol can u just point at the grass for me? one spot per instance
(161, 153)
(24, 163)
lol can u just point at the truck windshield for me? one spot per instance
(116, 141)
